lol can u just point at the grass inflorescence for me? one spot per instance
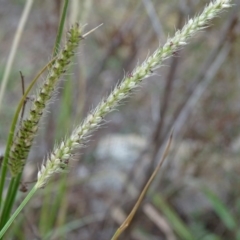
(27, 131)
(62, 153)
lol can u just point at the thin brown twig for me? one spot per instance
(128, 220)
(23, 91)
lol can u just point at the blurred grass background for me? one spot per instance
(197, 193)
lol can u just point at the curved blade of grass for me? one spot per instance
(177, 224)
(128, 220)
(201, 230)
(19, 209)
(221, 209)
(60, 28)
(74, 225)
(211, 236)
(14, 47)
(10, 198)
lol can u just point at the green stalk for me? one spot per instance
(10, 199)
(59, 202)
(7, 203)
(18, 210)
(60, 29)
(46, 210)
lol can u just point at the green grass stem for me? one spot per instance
(60, 28)
(18, 210)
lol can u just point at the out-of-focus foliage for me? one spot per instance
(197, 91)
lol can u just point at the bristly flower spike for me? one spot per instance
(55, 162)
(27, 131)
